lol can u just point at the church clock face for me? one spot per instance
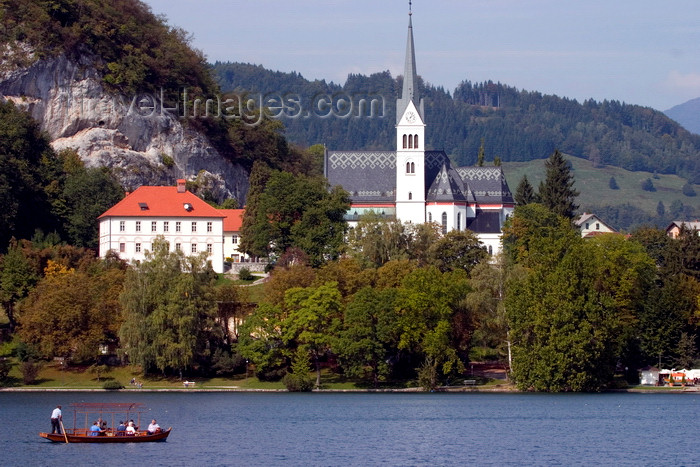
(410, 117)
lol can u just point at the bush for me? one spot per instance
(5, 367)
(613, 184)
(30, 371)
(298, 383)
(245, 275)
(112, 385)
(427, 375)
(168, 161)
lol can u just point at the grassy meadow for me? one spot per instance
(593, 184)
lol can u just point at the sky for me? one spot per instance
(644, 52)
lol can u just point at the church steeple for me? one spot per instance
(410, 76)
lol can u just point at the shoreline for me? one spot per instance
(453, 389)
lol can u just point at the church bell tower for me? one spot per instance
(410, 142)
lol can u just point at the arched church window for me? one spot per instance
(410, 141)
(410, 196)
(413, 167)
(490, 250)
(459, 221)
(444, 223)
(408, 167)
(430, 217)
(415, 141)
(405, 138)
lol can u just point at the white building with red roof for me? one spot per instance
(232, 234)
(185, 221)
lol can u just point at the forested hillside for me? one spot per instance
(515, 125)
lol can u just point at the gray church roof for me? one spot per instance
(488, 184)
(446, 187)
(370, 177)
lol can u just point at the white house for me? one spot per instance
(674, 228)
(417, 185)
(591, 225)
(232, 234)
(185, 221)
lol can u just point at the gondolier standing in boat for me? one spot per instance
(56, 417)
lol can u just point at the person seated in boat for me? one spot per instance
(95, 429)
(153, 428)
(130, 430)
(121, 428)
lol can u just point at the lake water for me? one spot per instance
(263, 429)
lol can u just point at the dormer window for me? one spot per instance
(143, 206)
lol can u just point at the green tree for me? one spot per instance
(27, 164)
(168, 310)
(369, 335)
(313, 320)
(482, 155)
(613, 184)
(375, 241)
(660, 209)
(261, 342)
(427, 302)
(87, 193)
(255, 235)
(17, 277)
(72, 312)
(688, 190)
(567, 314)
(457, 249)
(524, 193)
(648, 185)
(535, 235)
(296, 211)
(557, 191)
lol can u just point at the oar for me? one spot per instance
(63, 429)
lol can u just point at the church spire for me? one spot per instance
(410, 76)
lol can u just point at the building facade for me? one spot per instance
(417, 185)
(185, 221)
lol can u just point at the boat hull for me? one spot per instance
(83, 438)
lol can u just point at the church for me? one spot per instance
(417, 185)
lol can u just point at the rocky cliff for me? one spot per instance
(142, 142)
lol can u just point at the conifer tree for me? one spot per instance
(557, 191)
(482, 154)
(524, 194)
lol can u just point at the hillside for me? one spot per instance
(625, 208)
(687, 114)
(92, 74)
(515, 125)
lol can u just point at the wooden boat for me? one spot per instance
(104, 412)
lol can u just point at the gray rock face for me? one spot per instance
(144, 143)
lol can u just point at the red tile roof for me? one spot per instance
(161, 201)
(233, 220)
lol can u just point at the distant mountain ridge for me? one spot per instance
(515, 125)
(687, 114)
